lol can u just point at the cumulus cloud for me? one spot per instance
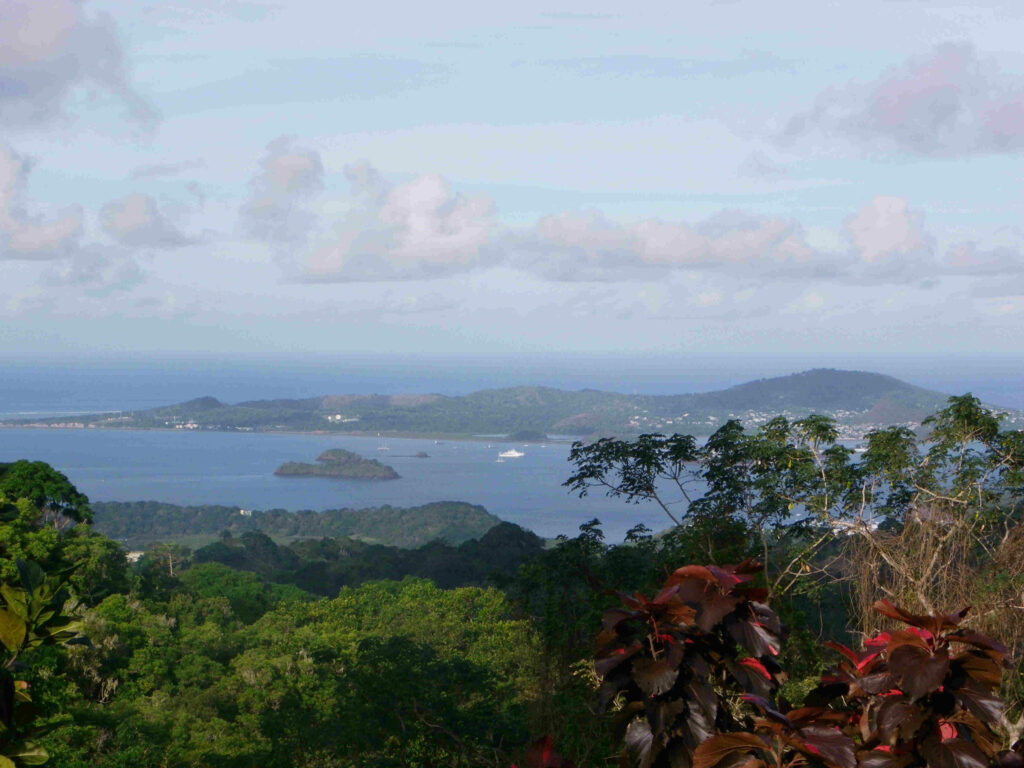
(288, 178)
(22, 234)
(48, 49)
(571, 246)
(971, 258)
(422, 228)
(946, 103)
(416, 229)
(58, 240)
(889, 240)
(136, 220)
(96, 271)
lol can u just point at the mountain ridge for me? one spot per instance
(858, 400)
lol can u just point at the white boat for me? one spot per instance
(383, 443)
(512, 453)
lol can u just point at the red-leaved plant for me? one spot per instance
(691, 676)
(922, 695)
(675, 664)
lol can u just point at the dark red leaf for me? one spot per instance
(690, 572)
(640, 743)
(831, 744)
(757, 666)
(905, 637)
(981, 667)
(766, 706)
(920, 671)
(754, 637)
(877, 683)
(891, 715)
(840, 648)
(984, 706)
(955, 753)
(726, 578)
(662, 714)
(615, 616)
(542, 754)
(881, 757)
(654, 676)
(750, 566)
(711, 752)
(753, 594)
(977, 639)
(614, 658)
(933, 624)
(666, 593)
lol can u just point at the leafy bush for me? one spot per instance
(692, 679)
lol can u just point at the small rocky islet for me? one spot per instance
(341, 464)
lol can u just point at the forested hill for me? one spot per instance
(138, 523)
(856, 399)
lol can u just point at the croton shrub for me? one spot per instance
(691, 678)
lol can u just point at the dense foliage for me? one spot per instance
(139, 523)
(330, 651)
(323, 566)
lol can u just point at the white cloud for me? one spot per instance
(49, 48)
(967, 258)
(889, 240)
(27, 236)
(277, 209)
(136, 220)
(417, 229)
(582, 246)
(946, 103)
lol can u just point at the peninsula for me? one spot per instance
(340, 464)
(859, 401)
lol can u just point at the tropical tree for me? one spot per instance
(35, 612)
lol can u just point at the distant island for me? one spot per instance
(341, 464)
(859, 402)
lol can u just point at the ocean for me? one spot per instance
(237, 468)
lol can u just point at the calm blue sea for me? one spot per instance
(237, 469)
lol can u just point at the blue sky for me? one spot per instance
(720, 178)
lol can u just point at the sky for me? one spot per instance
(704, 178)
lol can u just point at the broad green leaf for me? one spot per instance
(15, 599)
(32, 576)
(12, 631)
(31, 754)
(6, 762)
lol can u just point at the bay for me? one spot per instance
(237, 469)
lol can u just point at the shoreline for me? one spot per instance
(453, 437)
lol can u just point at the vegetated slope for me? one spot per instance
(852, 397)
(139, 523)
(323, 566)
(858, 395)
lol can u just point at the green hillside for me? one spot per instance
(858, 400)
